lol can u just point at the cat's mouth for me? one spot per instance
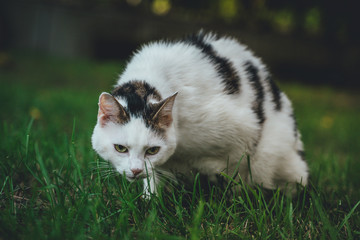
(135, 178)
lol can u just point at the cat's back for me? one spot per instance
(208, 72)
(215, 99)
(214, 65)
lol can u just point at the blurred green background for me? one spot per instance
(316, 42)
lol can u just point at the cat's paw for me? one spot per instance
(150, 188)
(146, 195)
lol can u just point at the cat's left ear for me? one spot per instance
(110, 110)
(162, 115)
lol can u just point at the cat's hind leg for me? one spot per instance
(282, 171)
(292, 170)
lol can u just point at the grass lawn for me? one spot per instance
(53, 185)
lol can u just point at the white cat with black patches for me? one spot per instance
(198, 105)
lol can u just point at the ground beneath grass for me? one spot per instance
(53, 185)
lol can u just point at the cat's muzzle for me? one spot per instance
(135, 177)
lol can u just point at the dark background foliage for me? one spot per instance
(310, 41)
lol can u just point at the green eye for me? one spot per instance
(120, 148)
(152, 150)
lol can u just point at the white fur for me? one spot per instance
(211, 130)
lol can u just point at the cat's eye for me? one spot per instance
(120, 148)
(152, 150)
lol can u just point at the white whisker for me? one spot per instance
(166, 177)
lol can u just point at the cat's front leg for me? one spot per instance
(150, 187)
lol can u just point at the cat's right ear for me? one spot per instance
(110, 110)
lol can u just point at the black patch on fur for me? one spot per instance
(258, 105)
(276, 93)
(224, 67)
(137, 94)
(295, 127)
(150, 122)
(301, 153)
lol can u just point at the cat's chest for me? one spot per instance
(187, 161)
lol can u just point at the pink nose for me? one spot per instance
(136, 171)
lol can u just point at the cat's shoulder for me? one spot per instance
(201, 40)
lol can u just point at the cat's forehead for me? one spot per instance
(133, 133)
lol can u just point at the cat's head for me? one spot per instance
(135, 143)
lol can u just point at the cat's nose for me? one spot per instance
(136, 171)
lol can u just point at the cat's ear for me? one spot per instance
(110, 110)
(162, 115)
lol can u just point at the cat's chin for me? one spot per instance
(133, 179)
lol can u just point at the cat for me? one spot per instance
(198, 105)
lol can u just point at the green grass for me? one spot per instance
(53, 185)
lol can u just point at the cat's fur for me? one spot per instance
(206, 101)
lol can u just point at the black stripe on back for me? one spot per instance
(301, 153)
(224, 67)
(258, 105)
(276, 93)
(295, 125)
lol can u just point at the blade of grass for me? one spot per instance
(290, 219)
(73, 155)
(347, 217)
(195, 229)
(196, 182)
(47, 181)
(323, 217)
(28, 137)
(4, 184)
